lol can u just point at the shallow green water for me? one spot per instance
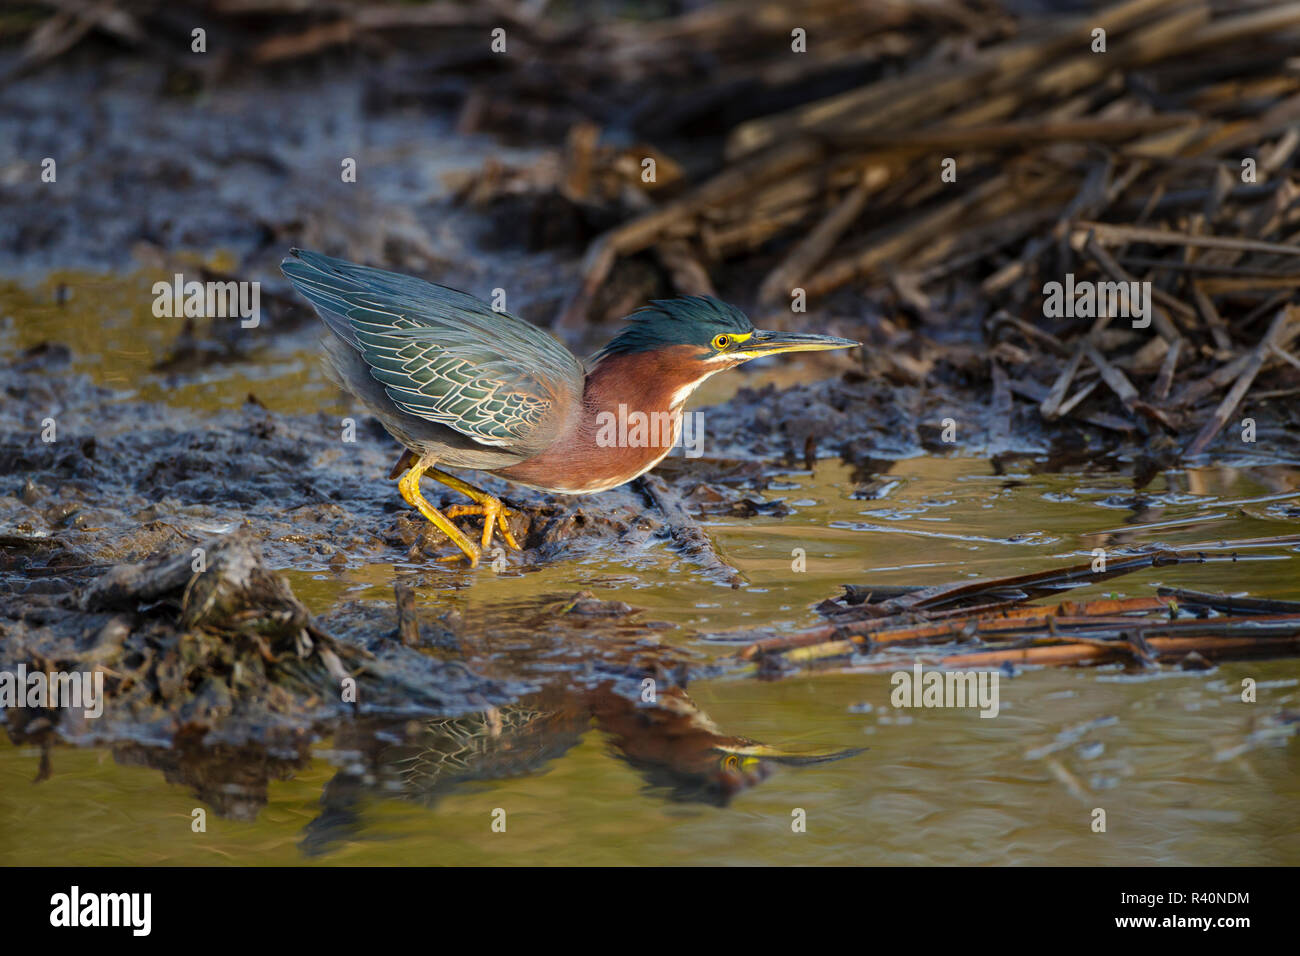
(1186, 772)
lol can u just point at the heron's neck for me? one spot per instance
(630, 419)
(649, 382)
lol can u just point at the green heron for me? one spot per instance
(464, 386)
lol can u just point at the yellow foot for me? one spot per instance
(489, 506)
(494, 516)
(409, 486)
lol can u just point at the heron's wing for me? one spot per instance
(443, 355)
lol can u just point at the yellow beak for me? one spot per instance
(771, 343)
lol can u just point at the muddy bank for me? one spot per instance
(119, 480)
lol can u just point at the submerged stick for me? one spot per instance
(687, 534)
(408, 626)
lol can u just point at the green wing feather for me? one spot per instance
(440, 354)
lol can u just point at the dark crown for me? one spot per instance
(693, 320)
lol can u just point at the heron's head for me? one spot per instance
(707, 335)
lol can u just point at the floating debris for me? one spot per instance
(992, 623)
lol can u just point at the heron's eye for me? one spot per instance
(731, 762)
(720, 342)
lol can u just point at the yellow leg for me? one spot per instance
(409, 486)
(493, 511)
